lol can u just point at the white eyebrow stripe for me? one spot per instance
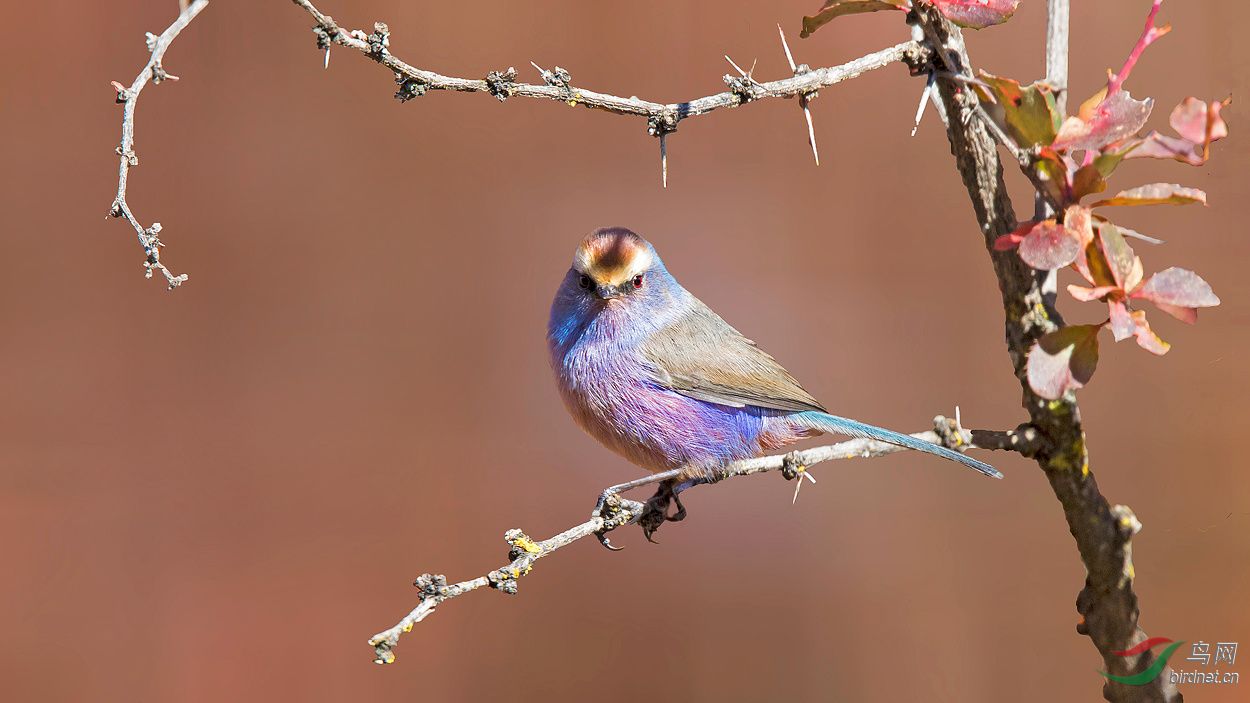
(640, 260)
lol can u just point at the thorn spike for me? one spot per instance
(786, 45)
(811, 129)
(664, 159)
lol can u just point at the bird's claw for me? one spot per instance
(655, 512)
(603, 539)
(609, 504)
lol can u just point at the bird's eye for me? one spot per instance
(638, 281)
(584, 282)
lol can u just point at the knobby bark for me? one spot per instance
(615, 512)
(154, 71)
(1103, 533)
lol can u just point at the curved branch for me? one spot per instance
(434, 589)
(149, 238)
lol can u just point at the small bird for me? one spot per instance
(655, 375)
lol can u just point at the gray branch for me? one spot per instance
(149, 237)
(1057, 51)
(433, 589)
(662, 118)
(1103, 533)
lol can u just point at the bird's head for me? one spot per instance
(613, 263)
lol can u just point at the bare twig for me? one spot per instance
(149, 238)
(434, 589)
(662, 118)
(1103, 533)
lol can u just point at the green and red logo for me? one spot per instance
(1145, 677)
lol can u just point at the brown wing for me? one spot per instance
(700, 356)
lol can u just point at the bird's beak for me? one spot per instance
(606, 292)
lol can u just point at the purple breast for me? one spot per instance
(609, 393)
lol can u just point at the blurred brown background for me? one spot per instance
(220, 493)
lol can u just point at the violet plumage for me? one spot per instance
(655, 375)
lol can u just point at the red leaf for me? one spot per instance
(1050, 245)
(1063, 360)
(836, 8)
(1117, 117)
(1156, 194)
(1146, 338)
(976, 14)
(1177, 287)
(1007, 242)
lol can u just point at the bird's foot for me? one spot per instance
(616, 511)
(655, 510)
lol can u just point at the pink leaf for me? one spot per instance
(1063, 360)
(1085, 295)
(1122, 326)
(1161, 146)
(1117, 117)
(976, 14)
(1156, 194)
(1079, 219)
(1198, 122)
(1146, 338)
(1187, 315)
(1050, 245)
(1178, 287)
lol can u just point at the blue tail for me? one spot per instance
(852, 428)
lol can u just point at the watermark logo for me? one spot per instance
(1200, 652)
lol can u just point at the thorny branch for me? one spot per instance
(434, 590)
(1053, 436)
(149, 238)
(1103, 533)
(662, 118)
